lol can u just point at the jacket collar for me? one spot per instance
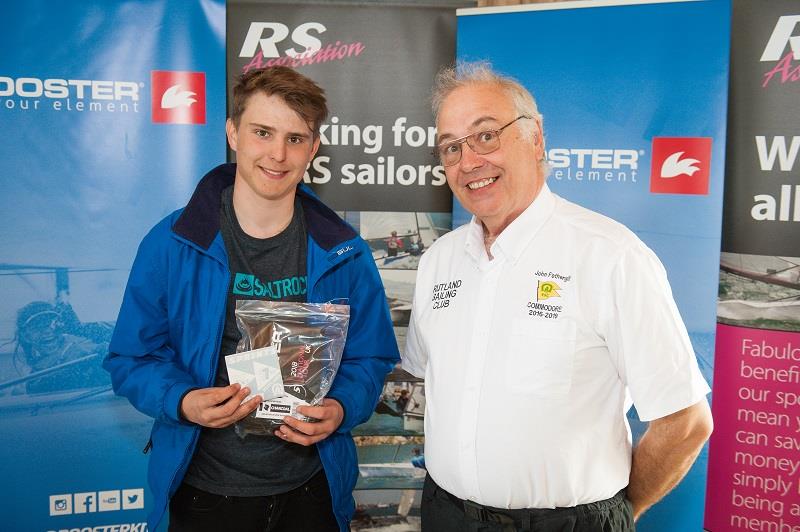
(199, 222)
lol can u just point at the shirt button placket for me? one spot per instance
(475, 363)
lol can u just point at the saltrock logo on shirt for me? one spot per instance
(247, 284)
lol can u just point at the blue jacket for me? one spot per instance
(168, 334)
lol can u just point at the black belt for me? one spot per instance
(479, 512)
(488, 514)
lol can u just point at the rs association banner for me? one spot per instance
(376, 64)
(111, 112)
(634, 97)
(754, 459)
(375, 166)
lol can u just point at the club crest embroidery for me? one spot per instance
(546, 290)
(548, 301)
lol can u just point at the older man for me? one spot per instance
(533, 325)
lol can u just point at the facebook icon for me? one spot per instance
(85, 503)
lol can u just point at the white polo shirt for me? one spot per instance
(528, 358)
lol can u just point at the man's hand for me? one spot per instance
(330, 414)
(218, 407)
(665, 453)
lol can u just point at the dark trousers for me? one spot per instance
(304, 509)
(444, 512)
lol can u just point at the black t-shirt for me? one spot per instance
(270, 269)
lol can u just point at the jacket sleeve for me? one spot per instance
(371, 349)
(142, 363)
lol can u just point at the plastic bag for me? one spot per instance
(310, 339)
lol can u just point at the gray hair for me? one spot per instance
(464, 74)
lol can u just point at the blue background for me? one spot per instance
(78, 191)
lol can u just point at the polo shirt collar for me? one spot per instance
(515, 238)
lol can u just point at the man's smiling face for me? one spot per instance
(273, 146)
(498, 186)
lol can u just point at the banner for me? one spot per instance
(754, 459)
(376, 64)
(376, 168)
(634, 98)
(111, 113)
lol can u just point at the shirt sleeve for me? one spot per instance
(415, 357)
(647, 337)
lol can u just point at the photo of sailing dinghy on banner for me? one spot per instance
(398, 239)
(759, 291)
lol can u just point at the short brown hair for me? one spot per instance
(300, 93)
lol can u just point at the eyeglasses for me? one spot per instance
(482, 142)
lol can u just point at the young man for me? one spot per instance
(531, 324)
(250, 220)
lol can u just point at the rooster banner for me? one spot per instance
(634, 98)
(111, 113)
